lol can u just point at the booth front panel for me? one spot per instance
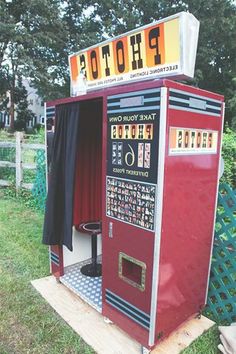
(159, 217)
(129, 227)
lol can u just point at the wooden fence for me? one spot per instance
(18, 164)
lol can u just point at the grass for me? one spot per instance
(27, 323)
(5, 136)
(206, 344)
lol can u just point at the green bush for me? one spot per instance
(38, 136)
(229, 156)
(20, 125)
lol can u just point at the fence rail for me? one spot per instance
(4, 144)
(4, 183)
(7, 164)
(19, 165)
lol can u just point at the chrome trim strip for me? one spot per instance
(151, 99)
(159, 204)
(132, 180)
(136, 109)
(119, 304)
(50, 114)
(46, 172)
(128, 303)
(125, 313)
(51, 108)
(55, 261)
(128, 309)
(216, 199)
(49, 258)
(179, 108)
(213, 107)
(136, 93)
(194, 95)
(177, 99)
(54, 255)
(182, 100)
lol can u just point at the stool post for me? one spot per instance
(93, 269)
(94, 250)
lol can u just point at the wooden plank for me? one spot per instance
(184, 336)
(27, 185)
(19, 171)
(108, 338)
(29, 166)
(25, 146)
(4, 183)
(7, 164)
(33, 146)
(6, 144)
(87, 322)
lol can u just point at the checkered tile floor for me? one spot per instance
(89, 289)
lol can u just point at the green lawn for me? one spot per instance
(27, 323)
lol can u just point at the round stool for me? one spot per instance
(92, 228)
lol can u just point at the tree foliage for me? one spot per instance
(36, 37)
(32, 40)
(229, 156)
(24, 114)
(216, 55)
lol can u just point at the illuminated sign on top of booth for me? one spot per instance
(166, 48)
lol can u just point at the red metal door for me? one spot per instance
(129, 213)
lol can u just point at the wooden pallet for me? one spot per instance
(106, 338)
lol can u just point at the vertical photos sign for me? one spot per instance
(166, 48)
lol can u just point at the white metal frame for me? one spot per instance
(159, 204)
(216, 198)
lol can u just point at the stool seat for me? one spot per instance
(92, 228)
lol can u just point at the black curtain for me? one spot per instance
(59, 206)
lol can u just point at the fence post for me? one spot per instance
(19, 170)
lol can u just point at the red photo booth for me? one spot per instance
(135, 171)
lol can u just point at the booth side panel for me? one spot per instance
(56, 260)
(192, 153)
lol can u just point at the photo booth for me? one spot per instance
(142, 161)
(133, 192)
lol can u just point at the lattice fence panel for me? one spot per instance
(39, 190)
(221, 303)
